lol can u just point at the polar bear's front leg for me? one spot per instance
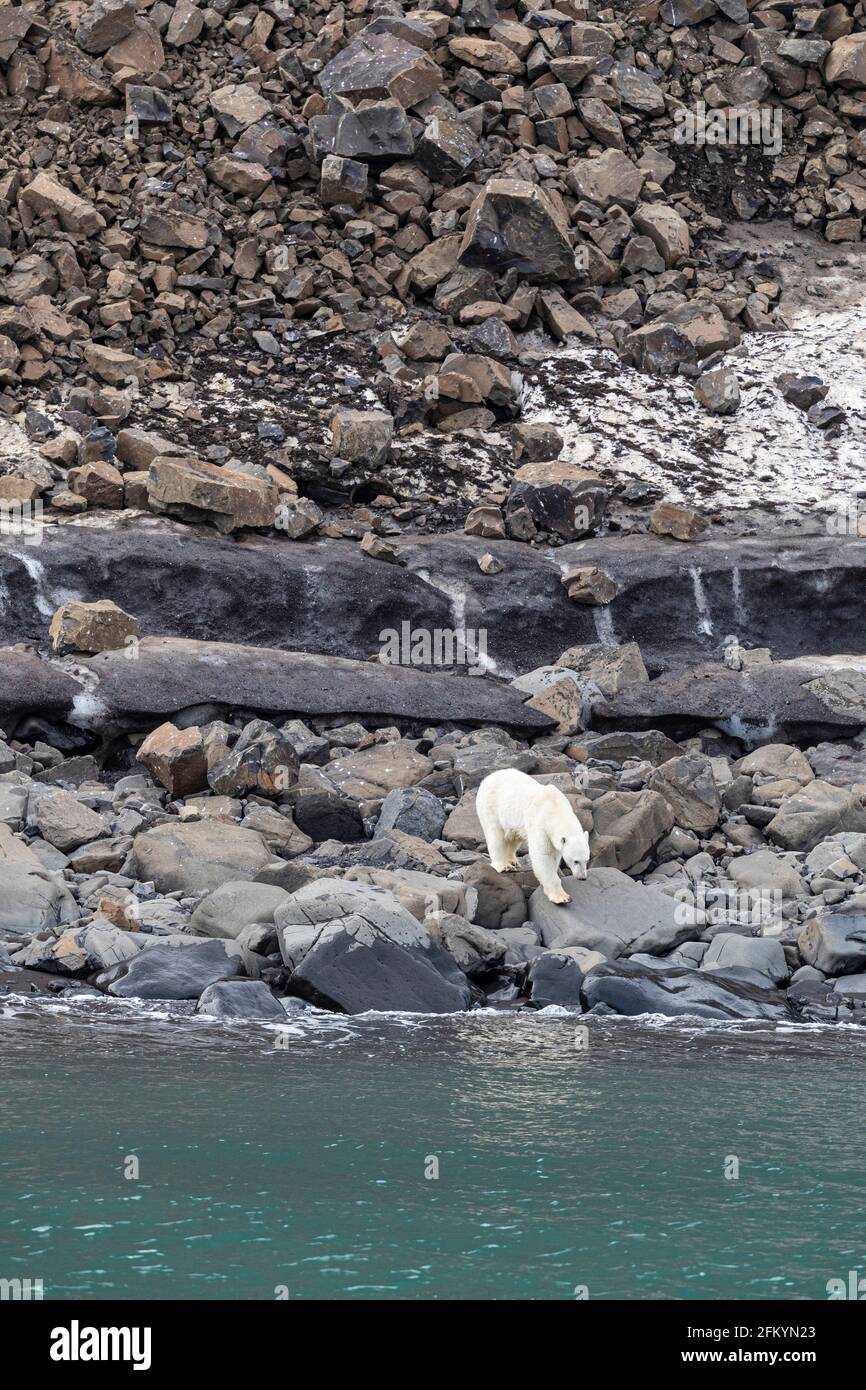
(545, 860)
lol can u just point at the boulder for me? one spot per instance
(760, 953)
(814, 813)
(381, 65)
(353, 948)
(196, 856)
(610, 913)
(559, 497)
(32, 899)
(555, 978)
(627, 826)
(835, 942)
(261, 762)
(194, 490)
(689, 788)
(632, 988)
(516, 224)
(234, 906)
(173, 972)
(176, 758)
(413, 810)
(249, 1001)
(91, 627)
(65, 822)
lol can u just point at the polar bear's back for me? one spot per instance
(510, 798)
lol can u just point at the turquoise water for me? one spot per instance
(299, 1171)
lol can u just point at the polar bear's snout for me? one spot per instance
(575, 856)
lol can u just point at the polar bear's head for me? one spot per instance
(574, 851)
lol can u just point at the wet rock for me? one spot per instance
(763, 954)
(353, 948)
(174, 972)
(556, 978)
(631, 988)
(245, 1000)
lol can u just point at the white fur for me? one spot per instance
(514, 809)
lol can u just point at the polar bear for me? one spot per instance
(515, 809)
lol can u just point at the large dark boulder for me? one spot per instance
(176, 972)
(633, 987)
(353, 948)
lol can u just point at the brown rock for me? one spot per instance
(679, 522)
(194, 489)
(99, 484)
(515, 223)
(589, 585)
(48, 198)
(91, 627)
(177, 758)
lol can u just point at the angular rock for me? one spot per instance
(515, 224)
(91, 627)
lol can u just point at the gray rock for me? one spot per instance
(32, 900)
(475, 950)
(612, 914)
(501, 902)
(234, 906)
(353, 948)
(763, 954)
(556, 978)
(413, 810)
(169, 972)
(196, 856)
(241, 999)
(631, 987)
(835, 942)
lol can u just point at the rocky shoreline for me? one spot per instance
(328, 334)
(248, 859)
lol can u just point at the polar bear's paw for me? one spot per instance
(556, 895)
